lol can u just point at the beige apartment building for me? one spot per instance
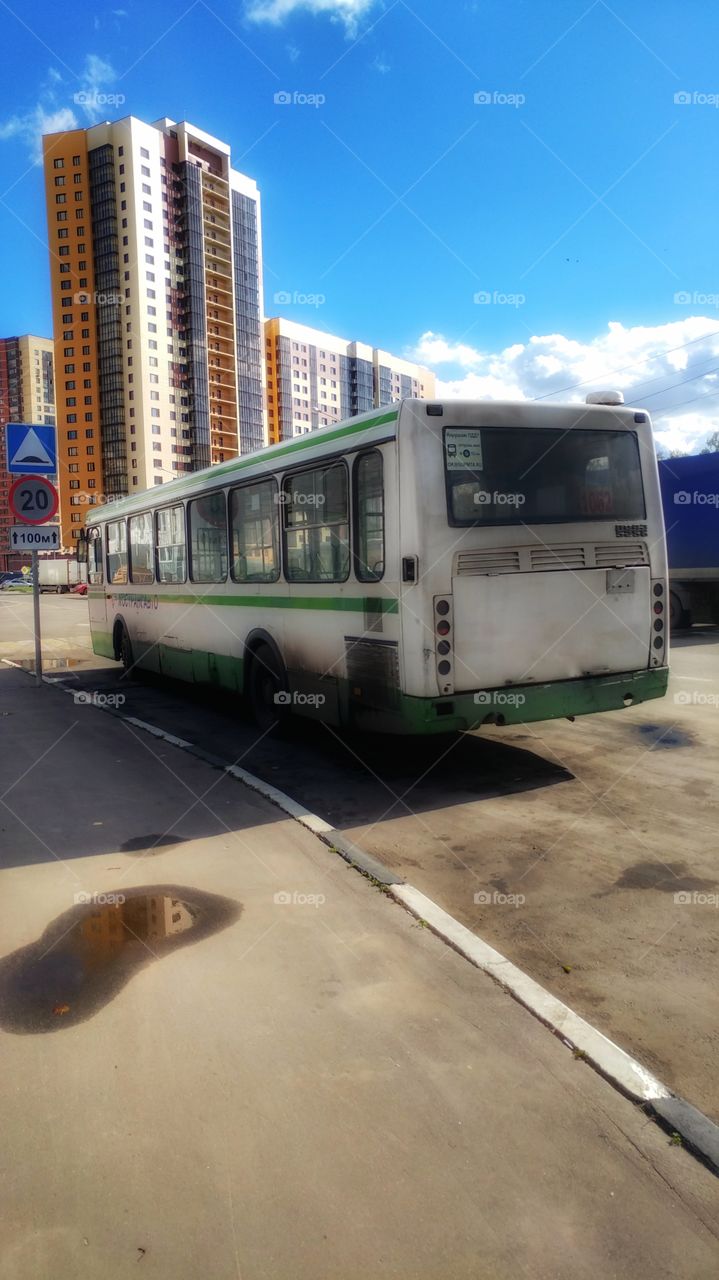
(315, 379)
(27, 394)
(155, 259)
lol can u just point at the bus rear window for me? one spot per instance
(513, 475)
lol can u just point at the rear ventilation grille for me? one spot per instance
(557, 557)
(610, 556)
(544, 559)
(499, 560)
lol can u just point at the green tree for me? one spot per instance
(712, 444)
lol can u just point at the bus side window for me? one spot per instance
(369, 516)
(316, 516)
(208, 538)
(254, 531)
(117, 552)
(141, 549)
(171, 546)
(94, 557)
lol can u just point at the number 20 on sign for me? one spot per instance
(33, 499)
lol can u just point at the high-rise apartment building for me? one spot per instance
(316, 378)
(156, 269)
(27, 394)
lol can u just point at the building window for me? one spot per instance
(58, 164)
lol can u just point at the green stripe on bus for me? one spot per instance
(178, 488)
(345, 604)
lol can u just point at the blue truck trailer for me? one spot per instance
(690, 496)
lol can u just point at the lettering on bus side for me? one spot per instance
(136, 602)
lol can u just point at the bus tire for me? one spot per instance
(123, 647)
(679, 617)
(266, 680)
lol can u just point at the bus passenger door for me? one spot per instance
(97, 595)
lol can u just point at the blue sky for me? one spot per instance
(579, 195)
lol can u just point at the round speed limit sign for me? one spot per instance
(33, 499)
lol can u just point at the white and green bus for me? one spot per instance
(429, 567)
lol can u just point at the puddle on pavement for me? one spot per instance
(662, 737)
(87, 955)
(667, 877)
(155, 842)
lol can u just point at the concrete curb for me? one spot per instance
(697, 1132)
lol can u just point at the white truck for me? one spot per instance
(60, 573)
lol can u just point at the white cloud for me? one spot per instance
(660, 367)
(30, 127)
(346, 11)
(50, 114)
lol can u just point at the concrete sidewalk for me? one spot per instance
(295, 1079)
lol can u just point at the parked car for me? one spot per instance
(12, 584)
(79, 589)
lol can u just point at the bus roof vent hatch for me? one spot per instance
(605, 397)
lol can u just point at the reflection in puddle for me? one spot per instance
(48, 664)
(86, 955)
(663, 737)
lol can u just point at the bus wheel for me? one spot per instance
(123, 648)
(678, 615)
(265, 688)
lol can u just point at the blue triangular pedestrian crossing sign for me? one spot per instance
(31, 449)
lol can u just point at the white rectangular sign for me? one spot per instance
(463, 449)
(27, 537)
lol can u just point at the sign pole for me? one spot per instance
(36, 615)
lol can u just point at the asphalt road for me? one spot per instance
(585, 852)
(225, 1054)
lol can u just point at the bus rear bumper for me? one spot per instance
(522, 704)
